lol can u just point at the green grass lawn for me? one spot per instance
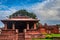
(41, 39)
(55, 35)
(52, 35)
(49, 36)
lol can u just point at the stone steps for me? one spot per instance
(21, 36)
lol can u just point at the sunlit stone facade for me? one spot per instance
(24, 28)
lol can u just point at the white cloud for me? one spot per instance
(6, 12)
(47, 10)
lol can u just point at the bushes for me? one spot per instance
(49, 36)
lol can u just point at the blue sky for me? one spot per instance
(14, 3)
(48, 11)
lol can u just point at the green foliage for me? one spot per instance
(40, 39)
(48, 36)
(55, 35)
(23, 13)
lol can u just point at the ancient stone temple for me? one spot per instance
(26, 28)
(19, 28)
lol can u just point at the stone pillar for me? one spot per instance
(13, 26)
(28, 26)
(16, 36)
(34, 25)
(24, 30)
(5, 25)
(16, 30)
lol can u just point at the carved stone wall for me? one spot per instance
(8, 35)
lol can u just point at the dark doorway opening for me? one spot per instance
(20, 26)
(9, 25)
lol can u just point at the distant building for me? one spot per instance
(25, 28)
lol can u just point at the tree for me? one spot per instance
(23, 13)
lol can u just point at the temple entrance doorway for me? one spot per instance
(20, 26)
